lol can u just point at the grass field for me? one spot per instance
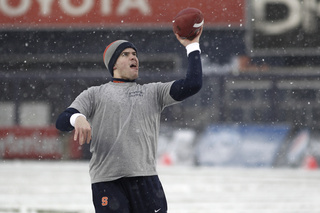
(64, 186)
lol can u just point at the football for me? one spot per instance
(188, 22)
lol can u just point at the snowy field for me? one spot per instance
(56, 187)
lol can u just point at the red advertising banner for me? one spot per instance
(114, 13)
(30, 143)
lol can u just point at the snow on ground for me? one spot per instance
(56, 187)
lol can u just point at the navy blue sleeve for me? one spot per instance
(63, 121)
(192, 83)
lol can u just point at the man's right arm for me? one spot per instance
(63, 121)
(72, 119)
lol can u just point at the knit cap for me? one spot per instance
(113, 51)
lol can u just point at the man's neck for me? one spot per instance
(120, 80)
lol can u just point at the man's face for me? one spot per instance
(127, 65)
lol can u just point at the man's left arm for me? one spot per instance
(192, 83)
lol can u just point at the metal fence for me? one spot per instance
(248, 98)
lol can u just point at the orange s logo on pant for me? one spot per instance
(104, 201)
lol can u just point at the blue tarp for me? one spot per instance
(235, 145)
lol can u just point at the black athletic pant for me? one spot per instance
(130, 195)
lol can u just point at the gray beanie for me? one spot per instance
(113, 51)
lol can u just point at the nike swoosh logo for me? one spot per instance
(157, 210)
(196, 25)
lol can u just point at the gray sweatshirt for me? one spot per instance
(125, 120)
